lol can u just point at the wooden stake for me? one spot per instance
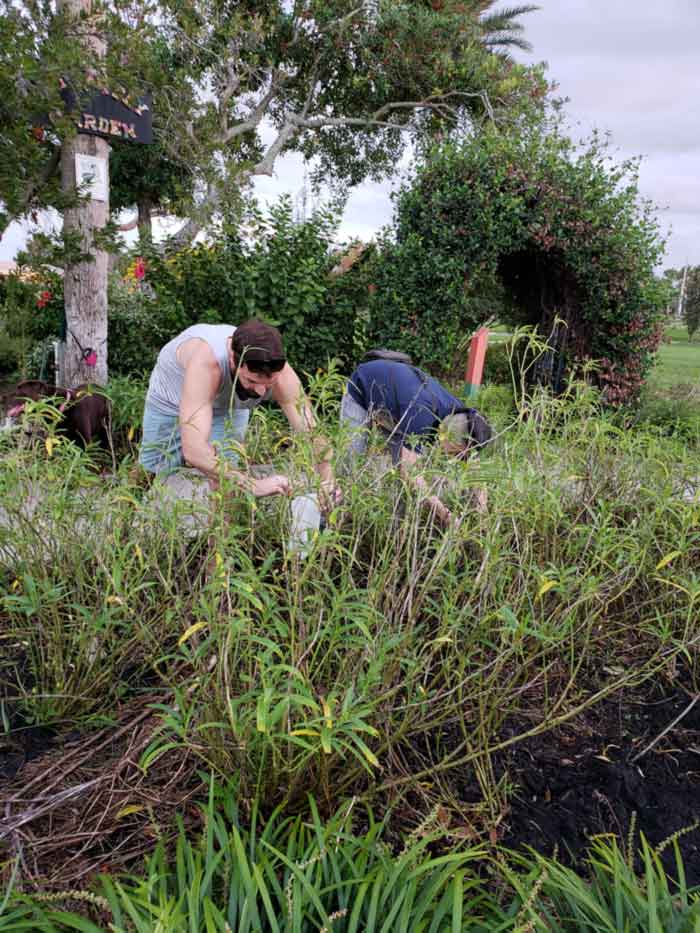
(475, 363)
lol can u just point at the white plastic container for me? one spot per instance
(306, 523)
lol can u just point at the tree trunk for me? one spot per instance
(85, 281)
(145, 209)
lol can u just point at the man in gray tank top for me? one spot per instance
(200, 395)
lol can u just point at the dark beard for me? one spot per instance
(243, 394)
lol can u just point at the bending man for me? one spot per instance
(410, 408)
(200, 395)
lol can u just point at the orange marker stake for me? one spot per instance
(475, 363)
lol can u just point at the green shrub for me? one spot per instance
(31, 316)
(554, 233)
(497, 404)
(497, 365)
(265, 265)
(268, 266)
(141, 320)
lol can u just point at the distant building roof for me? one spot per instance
(10, 267)
(349, 258)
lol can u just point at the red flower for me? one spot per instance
(43, 299)
(139, 268)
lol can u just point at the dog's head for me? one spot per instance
(14, 400)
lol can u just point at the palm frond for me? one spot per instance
(508, 41)
(506, 19)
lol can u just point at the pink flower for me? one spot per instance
(139, 268)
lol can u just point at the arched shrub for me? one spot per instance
(554, 233)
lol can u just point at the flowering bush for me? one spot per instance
(141, 318)
(561, 231)
(31, 315)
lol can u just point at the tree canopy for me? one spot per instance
(345, 82)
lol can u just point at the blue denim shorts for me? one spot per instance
(161, 443)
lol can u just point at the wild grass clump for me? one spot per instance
(397, 651)
(284, 875)
(606, 894)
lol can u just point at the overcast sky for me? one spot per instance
(632, 67)
(629, 67)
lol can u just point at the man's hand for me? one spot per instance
(330, 495)
(481, 502)
(275, 485)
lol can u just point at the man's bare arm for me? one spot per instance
(201, 384)
(409, 458)
(289, 395)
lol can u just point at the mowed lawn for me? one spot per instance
(678, 362)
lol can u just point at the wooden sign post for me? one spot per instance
(475, 363)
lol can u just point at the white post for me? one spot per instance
(681, 296)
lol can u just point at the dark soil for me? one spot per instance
(594, 775)
(24, 745)
(588, 777)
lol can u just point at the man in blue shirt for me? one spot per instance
(411, 409)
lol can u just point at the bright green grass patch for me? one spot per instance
(678, 364)
(679, 332)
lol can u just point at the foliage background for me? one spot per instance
(520, 226)
(258, 265)
(526, 225)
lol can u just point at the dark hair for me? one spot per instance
(259, 346)
(478, 428)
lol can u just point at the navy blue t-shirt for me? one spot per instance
(416, 402)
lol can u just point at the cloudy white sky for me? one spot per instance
(632, 67)
(628, 67)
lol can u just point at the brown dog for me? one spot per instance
(85, 411)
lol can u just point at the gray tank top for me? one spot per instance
(165, 386)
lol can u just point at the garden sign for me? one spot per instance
(105, 114)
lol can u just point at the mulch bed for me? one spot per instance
(605, 773)
(75, 805)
